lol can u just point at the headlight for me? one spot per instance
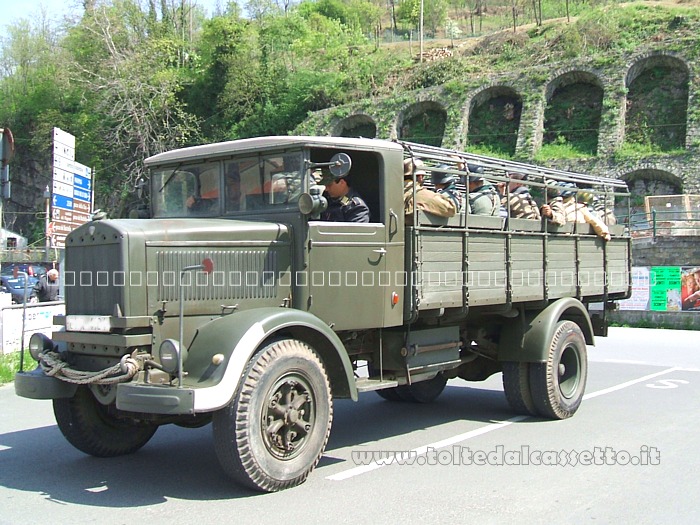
(168, 353)
(39, 343)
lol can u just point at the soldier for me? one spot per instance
(344, 203)
(426, 200)
(603, 206)
(553, 211)
(483, 197)
(445, 185)
(519, 201)
(577, 212)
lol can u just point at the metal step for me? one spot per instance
(366, 384)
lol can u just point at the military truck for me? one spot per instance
(233, 304)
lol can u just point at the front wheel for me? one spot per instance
(273, 433)
(95, 429)
(558, 384)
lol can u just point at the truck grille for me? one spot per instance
(238, 274)
(92, 279)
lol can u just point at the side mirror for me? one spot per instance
(339, 166)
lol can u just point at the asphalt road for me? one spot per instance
(628, 455)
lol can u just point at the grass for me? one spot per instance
(560, 151)
(9, 365)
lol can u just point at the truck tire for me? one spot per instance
(273, 433)
(423, 392)
(558, 384)
(91, 428)
(516, 385)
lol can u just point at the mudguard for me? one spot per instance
(239, 335)
(526, 339)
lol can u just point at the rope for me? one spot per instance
(53, 366)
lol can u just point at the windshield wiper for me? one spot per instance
(172, 174)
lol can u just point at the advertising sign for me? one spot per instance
(665, 288)
(640, 290)
(690, 288)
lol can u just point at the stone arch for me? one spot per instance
(657, 102)
(574, 105)
(423, 122)
(358, 125)
(645, 182)
(494, 119)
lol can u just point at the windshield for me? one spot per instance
(248, 184)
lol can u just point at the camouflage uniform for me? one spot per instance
(558, 212)
(348, 208)
(427, 200)
(521, 204)
(484, 201)
(577, 212)
(606, 213)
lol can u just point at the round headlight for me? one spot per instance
(39, 343)
(168, 353)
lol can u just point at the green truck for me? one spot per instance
(231, 303)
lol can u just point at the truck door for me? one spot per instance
(346, 275)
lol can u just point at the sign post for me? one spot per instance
(72, 188)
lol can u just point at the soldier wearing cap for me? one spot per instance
(519, 200)
(426, 200)
(601, 206)
(483, 197)
(344, 203)
(445, 185)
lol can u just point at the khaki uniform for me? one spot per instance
(521, 204)
(577, 212)
(605, 212)
(427, 200)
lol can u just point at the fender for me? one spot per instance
(526, 339)
(239, 335)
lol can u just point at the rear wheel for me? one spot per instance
(94, 429)
(558, 384)
(423, 392)
(516, 385)
(273, 433)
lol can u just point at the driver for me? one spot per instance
(344, 203)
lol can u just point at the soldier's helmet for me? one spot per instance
(440, 177)
(569, 189)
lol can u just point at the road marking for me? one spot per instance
(665, 384)
(628, 383)
(362, 469)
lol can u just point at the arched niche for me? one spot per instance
(494, 120)
(356, 126)
(423, 122)
(573, 111)
(657, 103)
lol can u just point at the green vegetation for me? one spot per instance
(572, 118)
(494, 124)
(9, 365)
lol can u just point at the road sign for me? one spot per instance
(60, 150)
(60, 201)
(59, 214)
(83, 183)
(73, 167)
(82, 207)
(64, 138)
(61, 188)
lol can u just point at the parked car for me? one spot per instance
(35, 270)
(15, 286)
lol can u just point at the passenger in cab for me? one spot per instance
(344, 203)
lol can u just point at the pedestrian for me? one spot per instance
(46, 288)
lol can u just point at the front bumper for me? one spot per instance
(37, 385)
(155, 399)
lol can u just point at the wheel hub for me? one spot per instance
(288, 418)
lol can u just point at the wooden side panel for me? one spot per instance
(486, 278)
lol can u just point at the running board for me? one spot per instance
(365, 384)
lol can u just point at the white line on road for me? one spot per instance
(362, 469)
